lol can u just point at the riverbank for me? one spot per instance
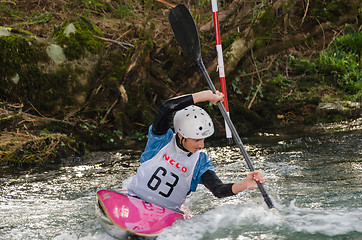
(28, 140)
(22, 151)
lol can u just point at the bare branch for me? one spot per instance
(122, 44)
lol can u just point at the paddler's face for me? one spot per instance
(192, 145)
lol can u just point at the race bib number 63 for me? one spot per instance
(156, 180)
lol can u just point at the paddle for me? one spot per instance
(187, 37)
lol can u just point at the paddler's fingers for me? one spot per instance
(218, 96)
(257, 176)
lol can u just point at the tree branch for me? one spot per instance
(122, 44)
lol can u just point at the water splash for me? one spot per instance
(253, 221)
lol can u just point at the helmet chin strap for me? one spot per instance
(180, 144)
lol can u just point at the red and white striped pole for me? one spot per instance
(220, 60)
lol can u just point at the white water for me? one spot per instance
(314, 182)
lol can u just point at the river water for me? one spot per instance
(314, 181)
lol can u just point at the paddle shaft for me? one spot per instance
(235, 134)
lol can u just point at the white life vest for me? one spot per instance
(165, 179)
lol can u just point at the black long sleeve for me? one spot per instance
(164, 117)
(212, 182)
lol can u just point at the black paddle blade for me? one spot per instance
(185, 30)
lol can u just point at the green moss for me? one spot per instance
(265, 17)
(228, 41)
(76, 36)
(263, 41)
(21, 76)
(16, 51)
(45, 90)
(111, 82)
(265, 21)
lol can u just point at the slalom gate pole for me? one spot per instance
(220, 60)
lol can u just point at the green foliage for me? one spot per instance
(107, 138)
(342, 60)
(339, 65)
(351, 42)
(140, 135)
(45, 132)
(281, 81)
(122, 11)
(6, 9)
(302, 65)
(43, 18)
(93, 4)
(252, 93)
(235, 87)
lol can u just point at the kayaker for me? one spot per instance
(172, 165)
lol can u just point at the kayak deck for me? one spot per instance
(121, 215)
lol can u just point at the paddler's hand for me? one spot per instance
(249, 182)
(208, 95)
(218, 96)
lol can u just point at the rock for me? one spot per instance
(345, 107)
(51, 75)
(4, 32)
(56, 53)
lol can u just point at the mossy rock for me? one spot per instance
(16, 51)
(76, 37)
(52, 77)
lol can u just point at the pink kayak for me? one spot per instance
(121, 215)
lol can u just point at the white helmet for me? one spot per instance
(193, 122)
